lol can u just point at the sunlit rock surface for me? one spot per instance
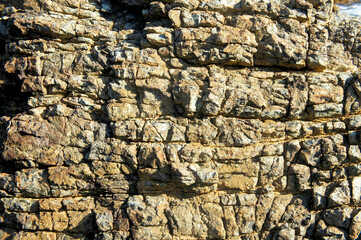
(179, 119)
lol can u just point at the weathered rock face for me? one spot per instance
(179, 119)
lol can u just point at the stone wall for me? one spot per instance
(179, 119)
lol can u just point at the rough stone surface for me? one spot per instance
(179, 119)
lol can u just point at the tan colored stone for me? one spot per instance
(121, 111)
(230, 224)
(50, 204)
(60, 177)
(214, 214)
(81, 221)
(36, 235)
(31, 182)
(179, 119)
(45, 221)
(240, 182)
(60, 221)
(78, 203)
(248, 169)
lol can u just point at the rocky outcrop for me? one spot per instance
(179, 119)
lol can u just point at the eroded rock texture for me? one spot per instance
(179, 119)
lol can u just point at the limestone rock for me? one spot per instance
(355, 227)
(179, 119)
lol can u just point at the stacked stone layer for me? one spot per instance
(179, 119)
